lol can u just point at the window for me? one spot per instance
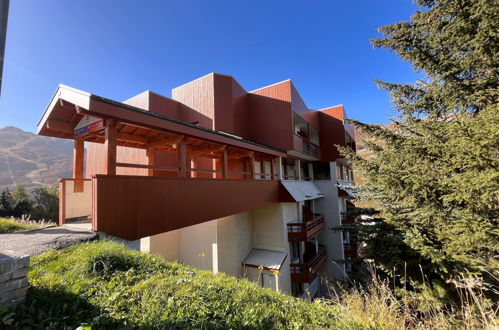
(269, 281)
(322, 171)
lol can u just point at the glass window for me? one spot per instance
(322, 171)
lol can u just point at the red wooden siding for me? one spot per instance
(198, 95)
(133, 207)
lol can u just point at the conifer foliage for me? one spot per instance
(435, 170)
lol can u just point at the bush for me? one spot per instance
(12, 226)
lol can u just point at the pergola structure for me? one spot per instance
(77, 115)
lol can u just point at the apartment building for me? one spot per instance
(217, 177)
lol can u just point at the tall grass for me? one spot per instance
(14, 225)
(378, 305)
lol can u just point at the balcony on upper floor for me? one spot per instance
(307, 271)
(303, 231)
(303, 145)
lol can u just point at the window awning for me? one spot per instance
(269, 260)
(302, 190)
(346, 192)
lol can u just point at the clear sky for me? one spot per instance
(120, 48)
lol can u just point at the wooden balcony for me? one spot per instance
(303, 231)
(351, 250)
(305, 273)
(346, 220)
(132, 207)
(304, 145)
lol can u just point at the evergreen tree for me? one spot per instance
(23, 204)
(436, 169)
(6, 203)
(46, 203)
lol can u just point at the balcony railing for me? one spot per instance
(347, 219)
(351, 250)
(302, 231)
(305, 273)
(303, 145)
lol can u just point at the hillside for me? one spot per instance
(32, 160)
(103, 285)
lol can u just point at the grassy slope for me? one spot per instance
(104, 284)
(12, 226)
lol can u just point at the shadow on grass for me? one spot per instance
(56, 309)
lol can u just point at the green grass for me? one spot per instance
(103, 285)
(13, 226)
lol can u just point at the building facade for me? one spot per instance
(223, 179)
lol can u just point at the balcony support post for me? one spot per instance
(150, 161)
(78, 159)
(272, 171)
(110, 147)
(252, 166)
(182, 159)
(225, 164)
(298, 169)
(280, 168)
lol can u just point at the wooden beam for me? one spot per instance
(78, 159)
(160, 168)
(208, 149)
(62, 126)
(182, 160)
(131, 138)
(110, 147)
(165, 141)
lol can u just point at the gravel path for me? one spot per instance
(38, 241)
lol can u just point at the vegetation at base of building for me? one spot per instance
(102, 284)
(41, 204)
(13, 225)
(435, 171)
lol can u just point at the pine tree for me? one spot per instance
(6, 203)
(23, 204)
(436, 169)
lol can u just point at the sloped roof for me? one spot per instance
(270, 260)
(302, 190)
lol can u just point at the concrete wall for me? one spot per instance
(165, 245)
(234, 239)
(198, 246)
(78, 204)
(333, 240)
(223, 244)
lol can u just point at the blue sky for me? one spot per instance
(118, 49)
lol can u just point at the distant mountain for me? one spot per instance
(32, 160)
